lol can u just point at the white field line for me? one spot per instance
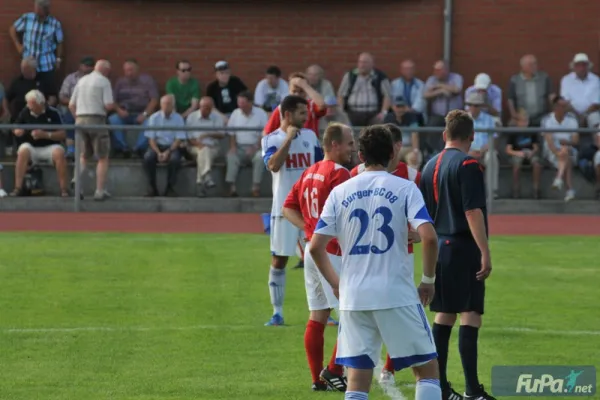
(391, 390)
(507, 329)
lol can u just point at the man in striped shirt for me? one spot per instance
(42, 38)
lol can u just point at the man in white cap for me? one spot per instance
(581, 88)
(491, 93)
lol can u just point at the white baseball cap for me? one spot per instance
(581, 58)
(482, 81)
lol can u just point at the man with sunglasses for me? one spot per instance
(185, 88)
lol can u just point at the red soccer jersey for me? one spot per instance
(310, 192)
(312, 123)
(402, 171)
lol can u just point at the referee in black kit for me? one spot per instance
(454, 192)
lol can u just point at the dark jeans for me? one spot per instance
(173, 164)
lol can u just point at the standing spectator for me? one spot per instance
(480, 145)
(530, 89)
(581, 88)
(597, 165)
(411, 89)
(164, 145)
(225, 89)
(365, 93)
(91, 100)
(559, 147)
(244, 146)
(185, 88)
(271, 90)
(2, 192)
(316, 78)
(42, 39)
(333, 114)
(4, 112)
(492, 95)
(402, 117)
(299, 86)
(136, 98)
(39, 146)
(86, 65)
(524, 149)
(204, 144)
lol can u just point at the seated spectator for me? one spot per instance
(411, 89)
(316, 78)
(4, 112)
(204, 144)
(491, 93)
(39, 146)
(86, 65)
(365, 93)
(299, 86)
(244, 146)
(443, 91)
(581, 88)
(136, 98)
(271, 90)
(185, 88)
(333, 114)
(480, 145)
(559, 147)
(524, 149)
(225, 89)
(26, 82)
(2, 192)
(530, 89)
(597, 165)
(164, 146)
(402, 117)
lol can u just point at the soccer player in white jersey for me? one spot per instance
(379, 303)
(287, 153)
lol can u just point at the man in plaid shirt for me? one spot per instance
(42, 38)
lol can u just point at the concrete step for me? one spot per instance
(252, 205)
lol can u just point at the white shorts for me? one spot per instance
(552, 159)
(405, 332)
(284, 237)
(40, 155)
(319, 293)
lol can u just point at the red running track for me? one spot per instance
(549, 225)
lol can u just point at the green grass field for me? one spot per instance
(122, 316)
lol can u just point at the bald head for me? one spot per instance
(314, 74)
(366, 62)
(206, 106)
(338, 143)
(103, 67)
(167, 104)
(407, 69)
(440, 70)
(529, 64)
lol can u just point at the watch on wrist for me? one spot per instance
(145, 113)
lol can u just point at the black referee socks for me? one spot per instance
(441, 337)
(467, 346)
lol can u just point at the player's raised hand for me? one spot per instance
(292, 131)
(426, 292)
(486, 267)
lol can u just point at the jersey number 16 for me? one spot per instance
(312, 201)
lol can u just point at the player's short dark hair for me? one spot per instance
(395, 131)
(246, 94)
(300, 75)
(274, 70)
(290, 103)
(459, 125)
(333, 133)
(376, 145)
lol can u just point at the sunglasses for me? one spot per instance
(185, 69)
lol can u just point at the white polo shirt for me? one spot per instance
(580, 93)
(569, 124)
(213, 121)
(92, 94)
(257, 118)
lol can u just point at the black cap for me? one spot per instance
(399, 101)
(88, 61)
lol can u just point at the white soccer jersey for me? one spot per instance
(369, 214)
(305, 150)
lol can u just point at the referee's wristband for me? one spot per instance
(428, 280)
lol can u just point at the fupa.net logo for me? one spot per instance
(543, 380)
(549, 384)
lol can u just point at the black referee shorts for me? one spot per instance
(457, 289)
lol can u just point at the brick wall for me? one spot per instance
(489, 35)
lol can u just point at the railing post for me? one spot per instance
(490, 171)
(77, 173)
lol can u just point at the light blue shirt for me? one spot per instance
(483, 121)
(165, 138)
(415, 100)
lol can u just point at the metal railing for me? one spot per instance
(140, 128)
